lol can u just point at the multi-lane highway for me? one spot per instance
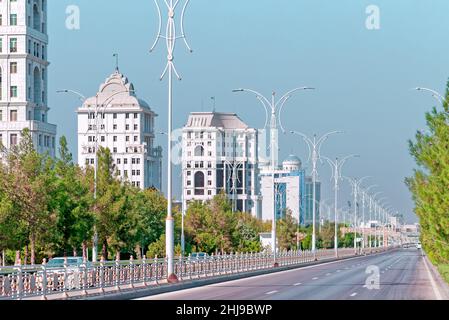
(402, 274)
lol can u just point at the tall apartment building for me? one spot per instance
(219, 153)
(125, 126)
(23, 74)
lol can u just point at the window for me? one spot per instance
(13, 45)
(103, 139)
(114, 127)
(127, 127)
(133, 161)
(13, 115)
(1, 45)
(13, 19)
(199, 183)
(115, 116)
(13, 139)
(1, 115)
(135, 115)
(119, 161)
(125, 161)
(136, 127)
(13, 91)
(127, 138)
(135, 138)
(13, 67)
(114, 138)
(127, 116)
(114, 150)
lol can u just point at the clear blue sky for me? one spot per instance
(363, 78)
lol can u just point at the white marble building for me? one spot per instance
(219, 152)
(23, 74)
(126, 127)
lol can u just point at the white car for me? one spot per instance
(418, 246)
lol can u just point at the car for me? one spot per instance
(199, 256)
(418, 246)
(56, 268)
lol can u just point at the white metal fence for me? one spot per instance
(41, 281)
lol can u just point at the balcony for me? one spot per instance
(32, 125)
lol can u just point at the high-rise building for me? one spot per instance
(126, 128)
(219, 153)
(307, 209)
(288, 190)
(23, 74)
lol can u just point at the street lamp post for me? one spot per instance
(439, 97)
(380, 204)
(170, 38)
(374, 206)
(314, 146)
(276, 107)
(356, 185)
(364, 195)
(337, 167)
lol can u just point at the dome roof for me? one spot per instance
(292, 159)
(117, 91)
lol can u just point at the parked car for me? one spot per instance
(55, 268)
(199, 256)
(418, 246)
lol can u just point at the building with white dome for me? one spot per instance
(288, 190)
(126, 127)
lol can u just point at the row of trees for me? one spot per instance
(430, 183)
(47, 207)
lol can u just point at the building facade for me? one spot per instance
(219, 153)
(288, 190)
(124, 124)
(23, 74)
(307, 214)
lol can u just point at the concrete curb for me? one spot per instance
(442, 284)
(165, 288)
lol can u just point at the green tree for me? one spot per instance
(73, 199)
(430, 182)
(29, 186)
(287, 228)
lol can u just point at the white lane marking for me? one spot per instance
(297, 284)
(354, 294)
(187, 291)
(436, 291)
(316, 278)
(272, 292)
(328, 274)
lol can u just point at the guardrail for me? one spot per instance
(40, 281)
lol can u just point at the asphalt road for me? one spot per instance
(402, 274)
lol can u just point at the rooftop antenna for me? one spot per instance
(213, 99)
(170, 37)
(115, 55)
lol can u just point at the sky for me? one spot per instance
(363, 78)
